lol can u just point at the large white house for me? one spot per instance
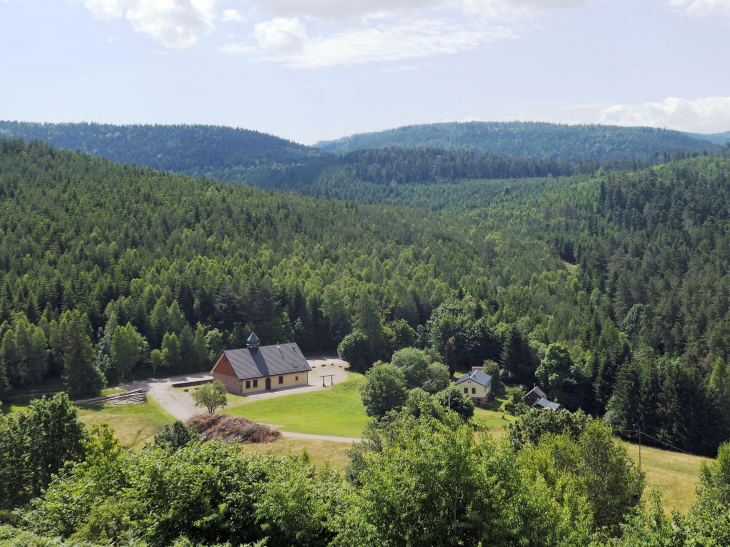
(477, 385)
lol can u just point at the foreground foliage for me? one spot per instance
(34, 445)
(420, 478)
(611, 289)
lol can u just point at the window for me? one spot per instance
(466, 390)
(296, 378)
(255, 383)
(248, 384)
(281, 379)
(473, 390)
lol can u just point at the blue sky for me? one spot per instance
(320, 69)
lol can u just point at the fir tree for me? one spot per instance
(450, 357)
(82, 378)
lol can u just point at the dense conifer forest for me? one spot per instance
(608, 285)
(610, 289)
(406, 156)
(531, 140)
(195, 150)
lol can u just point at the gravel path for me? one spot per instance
(177, 403)
(320, 437)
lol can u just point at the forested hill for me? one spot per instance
(530, 140)
(717, 138)
(195, 150)
(611, 290)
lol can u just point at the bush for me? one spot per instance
(384, 390)
(537, 423)
(492, 368)
(211, 396)
(34, 445)
(453, 398)
(175, 436)
(357, 349)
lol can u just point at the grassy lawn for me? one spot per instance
(230, 397)
(493, 420)
(112, 391)
(21, 403)
(134, 424)
(320, 452)
(674, 473)
(336, 410)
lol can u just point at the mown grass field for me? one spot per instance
(335, 410)
(134, 424)
(675, 474)
(321, 453)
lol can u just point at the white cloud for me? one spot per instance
(231, 15)
(502, 8)
(104, 9)
(356, 31)
(286, 40)
(348, 10)
(173, 23)
(281, 36)
(703, 7)
(703, 114)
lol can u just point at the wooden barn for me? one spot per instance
(260, 368)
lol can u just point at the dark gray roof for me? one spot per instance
(537, 391)
(544, 403)
(478, 376)
(250, 363)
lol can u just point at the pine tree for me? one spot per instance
(4, 384)
(202, 361)
(159, 322)
(104, 347)
(187, 349)
(24, 353)
(171, 355)
(450, 357)
(126, 350)
(719, 379)
(176, 318)
(517, 360)
(82, 378)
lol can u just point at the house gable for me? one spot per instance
(223, 366)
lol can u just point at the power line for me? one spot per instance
(658, 440)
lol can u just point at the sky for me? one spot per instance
(311, 70)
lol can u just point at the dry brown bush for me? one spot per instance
(231, 429)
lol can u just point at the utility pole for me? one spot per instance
(639, 449)
(449, 399)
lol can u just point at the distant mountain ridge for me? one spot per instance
(717, 138)
(371, 173)
(196, 150)
(530, 140)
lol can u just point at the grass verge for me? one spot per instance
(320, 453)
(336, 411)
(134, 424)
(674, 473)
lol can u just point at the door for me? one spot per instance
(268, 383)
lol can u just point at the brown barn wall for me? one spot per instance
(224, 372)
(231, 382)
(223, 366)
